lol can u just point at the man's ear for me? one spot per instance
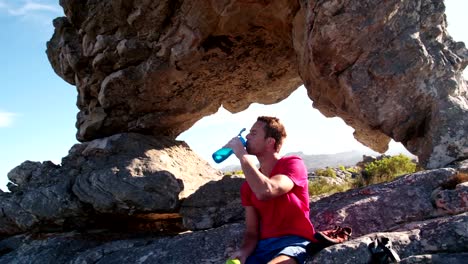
(271, 141)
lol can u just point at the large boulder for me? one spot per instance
(124, 175)
(389, 69)
(215, 204)
(40, 198)
(131, 172)
(159, 66)
(212, 246)
(441, 240)
(421, 231)
(380, 207)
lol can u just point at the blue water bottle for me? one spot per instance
(223, 153)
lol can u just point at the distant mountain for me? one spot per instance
(230, 168)
(320, 161)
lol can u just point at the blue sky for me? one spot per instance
(38, 109)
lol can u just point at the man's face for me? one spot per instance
(256, 141)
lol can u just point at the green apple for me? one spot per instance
(232, 261)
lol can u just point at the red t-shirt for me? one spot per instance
(287, 214)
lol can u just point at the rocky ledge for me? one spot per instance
(125, 199)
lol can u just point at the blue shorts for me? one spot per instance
(270, 248)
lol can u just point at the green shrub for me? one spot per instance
(341, 167)
(230, 173)
(328, 172)
(387, 169)
(353, 170)
(322, 187)
(359, 182)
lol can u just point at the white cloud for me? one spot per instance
(36, 15)
(6, 119)
(29, 8)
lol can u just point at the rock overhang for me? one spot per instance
(389, 70)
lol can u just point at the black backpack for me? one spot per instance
(382, 251)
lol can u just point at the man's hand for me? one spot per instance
(240, 255)
(237, 147)
(251, 235)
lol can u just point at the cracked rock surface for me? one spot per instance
(389, 69)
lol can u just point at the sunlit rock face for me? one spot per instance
(159, 66)
(388, 68)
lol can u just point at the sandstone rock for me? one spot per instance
(448, 258)
(418, 238)
(447, 237)
(453, 201)
(13, 219)
(41, 198)
(45, 248)
(133, 172)
(461, 165)
(388, 69)
(215, 204)
(64, 51)
(158, 67)
(104, 179)
(212, 246)
(33, 174)
(383, 206)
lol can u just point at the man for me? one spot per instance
(275, 197)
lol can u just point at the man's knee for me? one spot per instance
(283, 259)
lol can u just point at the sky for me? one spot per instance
(38, 109)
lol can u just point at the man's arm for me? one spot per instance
(251, 234)
(264, 188)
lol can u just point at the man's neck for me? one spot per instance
(268, 162)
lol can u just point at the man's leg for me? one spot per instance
(283, 259)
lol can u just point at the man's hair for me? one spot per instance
(275, 129)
